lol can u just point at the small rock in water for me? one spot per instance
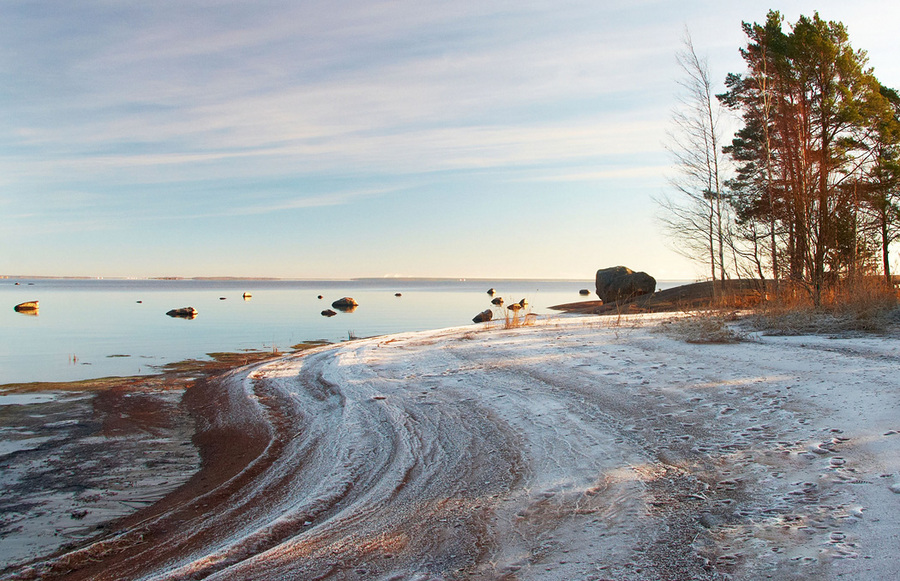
(345, 304)
(328, 313)
(483, 316)
(895, 488)
(183, 313)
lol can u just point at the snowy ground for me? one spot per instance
(577, 448)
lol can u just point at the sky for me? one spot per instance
(323, 139)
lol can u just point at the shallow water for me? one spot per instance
(96, 328)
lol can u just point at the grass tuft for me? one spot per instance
(513, 319)
(709, 327)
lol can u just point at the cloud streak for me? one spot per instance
(275, 106)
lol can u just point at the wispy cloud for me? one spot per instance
(643, 172)
(309, 102)
(124, 110)
(314, 201)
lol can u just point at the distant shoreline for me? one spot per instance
(588, 281)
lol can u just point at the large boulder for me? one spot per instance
(620, 283)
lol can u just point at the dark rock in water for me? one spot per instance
(183, 313)
(523, 303)
(515, 307)
(483, 316)
(221, 298)
(346, 304)
(139, 302)
(584, 292)
(398, 295)
(328, 313)
(621, 283)
(491, 292)
(247, 296)
(27, 308)
(497, 301)
(320, 296)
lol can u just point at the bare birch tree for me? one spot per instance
(695, 216)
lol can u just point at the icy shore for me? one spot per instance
(576, 448)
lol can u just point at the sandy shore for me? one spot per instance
(577, 448)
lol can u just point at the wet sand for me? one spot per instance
(577, 448)
(79, 457)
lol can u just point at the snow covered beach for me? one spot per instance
(576, 448)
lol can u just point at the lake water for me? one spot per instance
(96, 328)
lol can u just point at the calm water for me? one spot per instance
(97, 328)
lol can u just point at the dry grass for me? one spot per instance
(703, 327)
(865, 305)
(513, 319)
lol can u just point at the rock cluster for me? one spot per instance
(517, 306)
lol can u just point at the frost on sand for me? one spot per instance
(565, 450)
